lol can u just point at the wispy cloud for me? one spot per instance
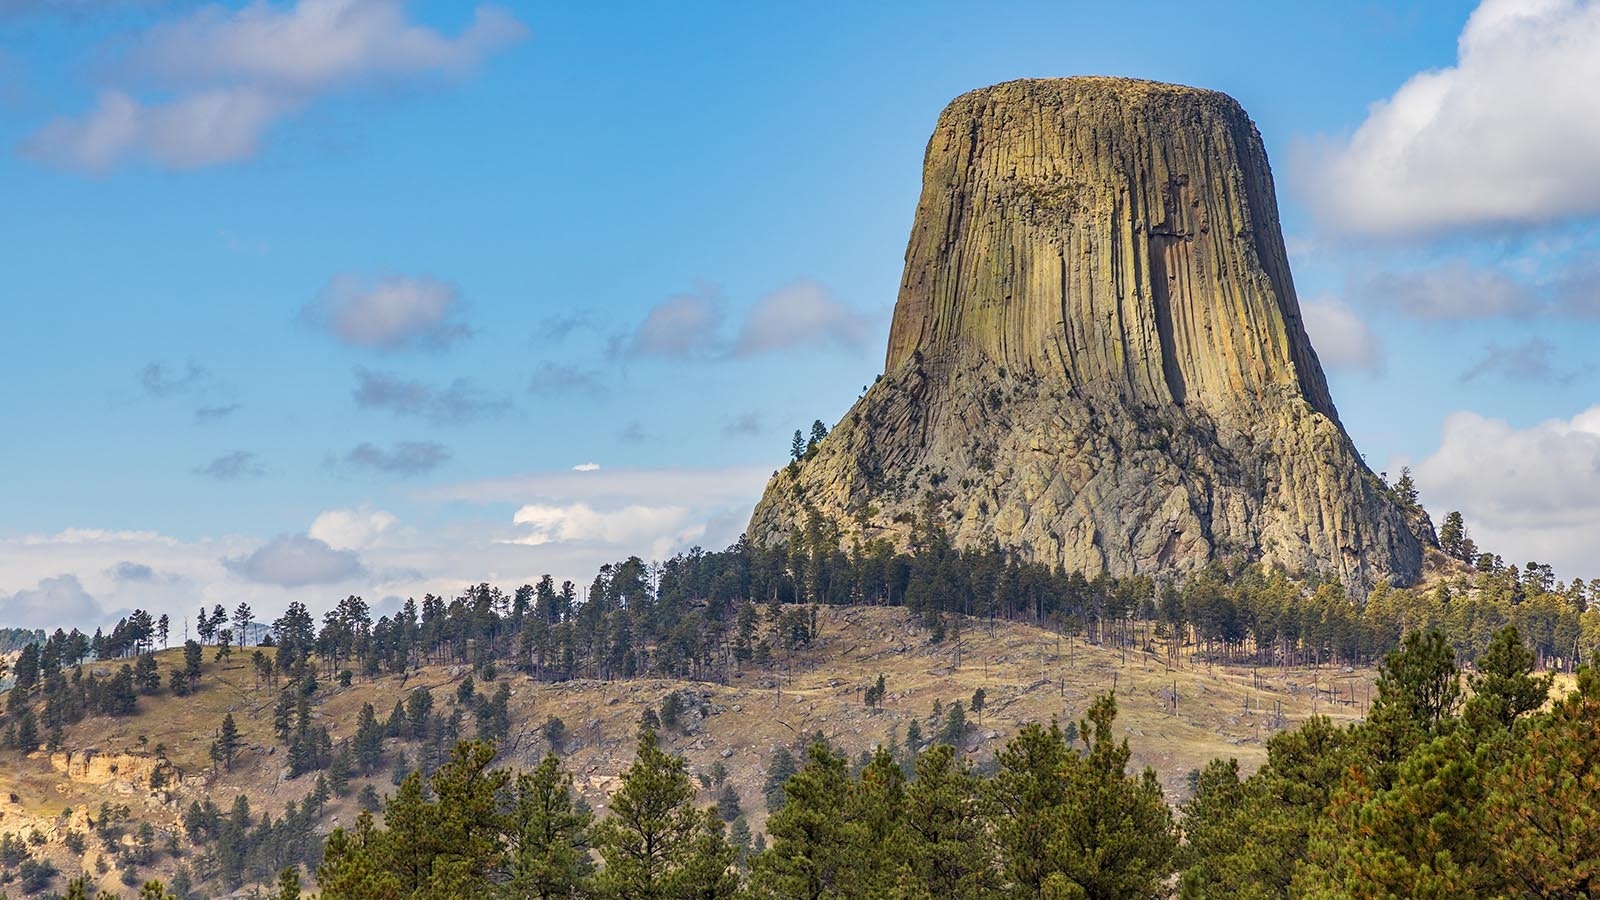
(403, 458)
(683, 326)
(238, 465)
(558, 380)
(745, 424)
(695, 325)
(803, 314)
(1532, 360)
(1342, 339)
(206, 88)
(456, 403)
(205, 415)
(161, 380)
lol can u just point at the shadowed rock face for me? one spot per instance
(1097, 357)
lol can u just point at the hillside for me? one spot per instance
(1027, 673)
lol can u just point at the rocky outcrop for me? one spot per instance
(125, 771)
(1097, 357)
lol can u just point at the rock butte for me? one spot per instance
(1097, 358)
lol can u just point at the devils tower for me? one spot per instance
(1097, 358)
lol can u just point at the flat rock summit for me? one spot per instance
(1097, 358)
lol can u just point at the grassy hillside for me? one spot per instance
(1028, 674)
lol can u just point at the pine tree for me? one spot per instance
(288, 884)
(817, 846)
(941, 848)
(1419, 689)
(1503, 685)
(550, 852)
(1071, 824)
(1541, 811)
(779, 771)
(227, 742)
(355, 865)
(655, 843)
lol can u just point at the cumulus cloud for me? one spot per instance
(559, 380)
(657, 527)
(803, 314)
(1528, 493)
(58, 602)
(238, 465)
(457, 403)
(226, 76)
(1501, 138)
(1532, 360)
(296, 560)
(1341, 338)
(404, 458)
(586, 467)
(351, 529)
(391, 313)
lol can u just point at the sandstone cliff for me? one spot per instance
(1097, 357)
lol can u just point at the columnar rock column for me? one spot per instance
(1097, 356)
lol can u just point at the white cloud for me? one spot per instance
(205, 128)
(694, 325)
(588, 518)
(683, 326)
(654, 528)
(800, 315)
(392, 313)
(232, 74)
(1341, 338)
(623, 511)
(55, 602)
(1503, 137)
(296, 560)
(351, 529)
(586, 467)
(1527, 493)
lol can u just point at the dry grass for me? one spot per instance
(1028, 674)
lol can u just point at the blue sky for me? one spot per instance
(316, 297)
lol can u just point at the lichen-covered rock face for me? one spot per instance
(1097, 357)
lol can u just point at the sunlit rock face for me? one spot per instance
(1097, 357)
